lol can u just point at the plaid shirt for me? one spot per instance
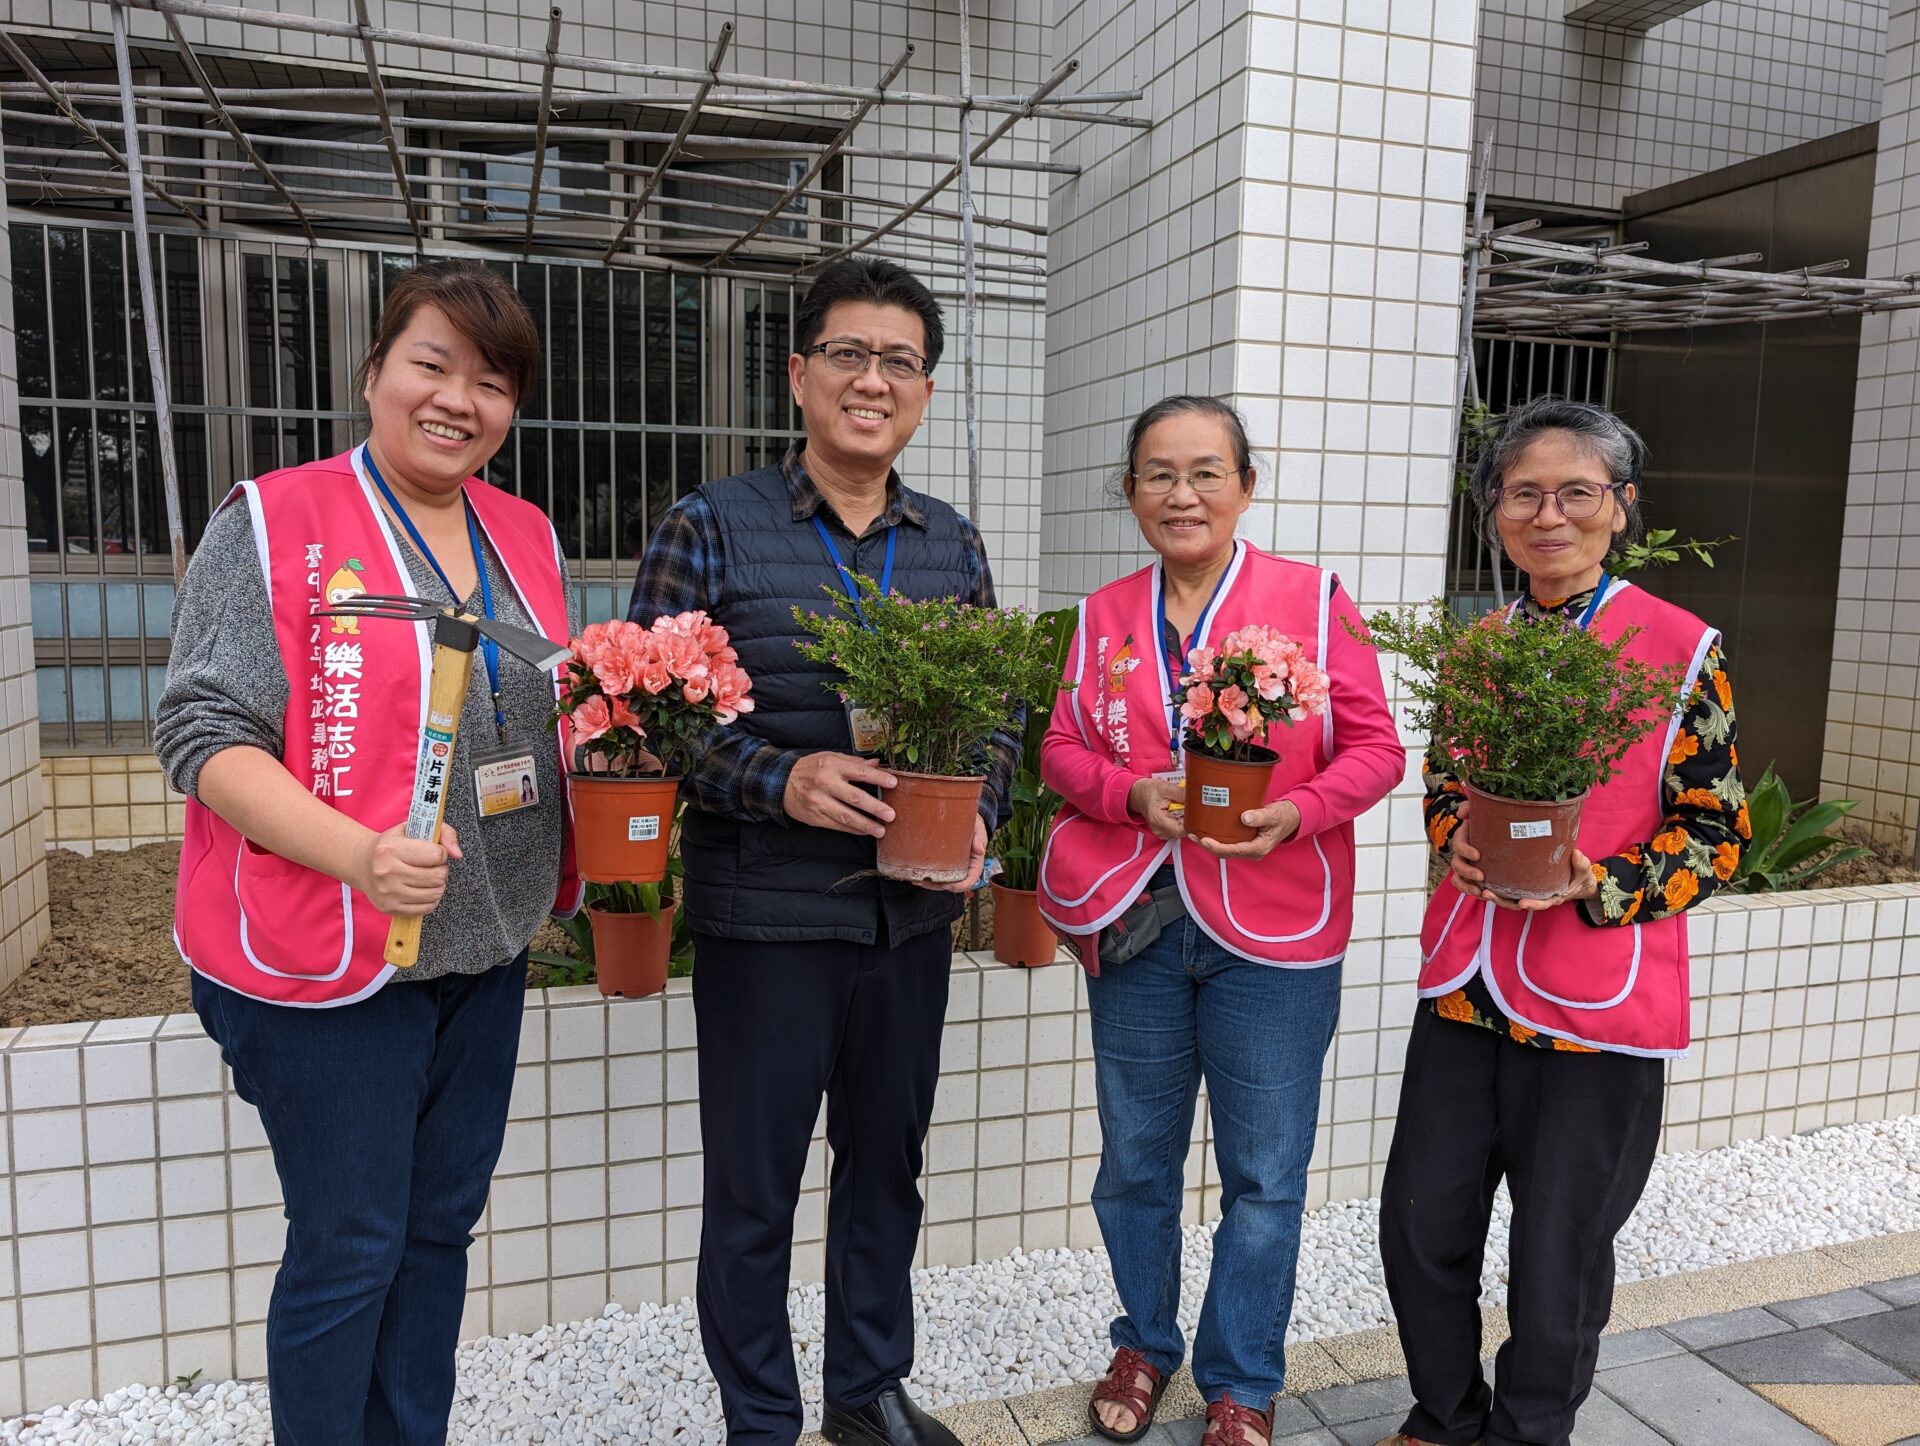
(738, 774)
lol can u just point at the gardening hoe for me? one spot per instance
(455, 635)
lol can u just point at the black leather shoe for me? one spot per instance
(889, 1419)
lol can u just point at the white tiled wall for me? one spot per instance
(1873, 739)
(1634, 15)
(1584, 116)
(1288, 237)
(140, 1216)
(23, 823)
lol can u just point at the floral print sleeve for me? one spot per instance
(1705, 831)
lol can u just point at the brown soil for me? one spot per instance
(111, 954)
(1887, 864)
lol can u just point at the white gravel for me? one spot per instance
(1032, 1321)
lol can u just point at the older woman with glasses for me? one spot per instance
(1206, 959)
(1537, 1056)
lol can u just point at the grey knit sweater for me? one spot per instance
(226, 686)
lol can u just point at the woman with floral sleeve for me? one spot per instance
(1511, 1070)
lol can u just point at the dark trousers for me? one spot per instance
(779, 1025)
(1574, 1135)
(386, 1118)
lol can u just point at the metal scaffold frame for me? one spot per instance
(945, 242)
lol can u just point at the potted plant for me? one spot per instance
(1531, 714)
(935, 678)
(629, 939)
(1020, 934)
(1230, 699)
(636, 700)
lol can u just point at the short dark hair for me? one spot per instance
(1601, 434)
(482, 307)
(868, 279)
(1173, 406)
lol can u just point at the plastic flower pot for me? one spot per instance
(1219, 790)
(621, 827)
(1020, 935)
(631, 951)
(930, 840)
(1526, 849)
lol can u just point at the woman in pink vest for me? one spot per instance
(1205, 960)
(383, 1092)
(1538, 1054)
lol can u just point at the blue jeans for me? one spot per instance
(386, 1117)
(1181, 1009)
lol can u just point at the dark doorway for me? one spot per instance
(1749, 429)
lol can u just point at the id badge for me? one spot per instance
(505, 781)
(1178, 778)
(867, 728)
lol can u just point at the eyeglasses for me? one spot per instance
(850, 357)
(1577, 501)
(1163, 480)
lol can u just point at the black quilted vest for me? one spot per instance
(777, 881)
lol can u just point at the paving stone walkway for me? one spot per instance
(1841, 1368)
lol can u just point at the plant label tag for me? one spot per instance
(1176, 776)
(1530, 828)
(867, 728)
(1214, 796)
(643, 828)
(504, 781)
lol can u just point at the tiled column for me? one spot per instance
(1288, 236)
(1872, 747)
(23, 830)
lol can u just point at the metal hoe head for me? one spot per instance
(452, 629)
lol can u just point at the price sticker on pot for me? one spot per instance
(1530, 828)
(643, 828)
(1212, 795)
(1177, 777)
(504, 781)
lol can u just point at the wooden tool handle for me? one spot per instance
(432, 775)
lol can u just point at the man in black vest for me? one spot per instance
(811, 975)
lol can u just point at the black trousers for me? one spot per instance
(1574, 1135)
(778, 1025)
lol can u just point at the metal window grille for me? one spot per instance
(651, 382)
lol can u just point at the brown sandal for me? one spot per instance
(1226, 1416)
(1121, 1387)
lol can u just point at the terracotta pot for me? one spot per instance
(930, 840)
(1020, 935)
(631, 951)
(621, 827)
(1219, 790)
(1526, 849)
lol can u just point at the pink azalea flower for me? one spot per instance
(591, 719)
(1233, 708)
(1199, 703)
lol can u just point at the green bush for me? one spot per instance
(1020, 841)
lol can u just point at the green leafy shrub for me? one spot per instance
(1533, 708)
(941, 675)
(1022, 838)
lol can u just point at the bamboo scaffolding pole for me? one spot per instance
(679, 139)
(86, 127)
(970, 265)
(820, 161)
(232, 127)
(540, 131)
(377, 86)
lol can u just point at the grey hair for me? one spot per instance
(1173, 406)
(1599, 433)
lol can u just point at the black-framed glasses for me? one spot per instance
(1577, 501)
(897, 364)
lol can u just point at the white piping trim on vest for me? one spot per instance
(1199, 921)
(1520, 967)
(1707, 640)
(1482, 954)
(1518, 1018)
(246, 942)
(1201, 628)
(372, 987)
(257, 518)
(1326, 904)
(1080, 673)
(422, 634)
(1327, 583)
(1459, 900)
(1139, 844)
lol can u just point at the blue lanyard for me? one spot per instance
(1172, 665)
(1599, 596)
(846, 577)
(489, 649)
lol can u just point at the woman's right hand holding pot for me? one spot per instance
(1157, 802)
(1462, 856)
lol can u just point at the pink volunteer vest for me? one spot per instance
(1294, 907)
(1623, 989)
(261, 924)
